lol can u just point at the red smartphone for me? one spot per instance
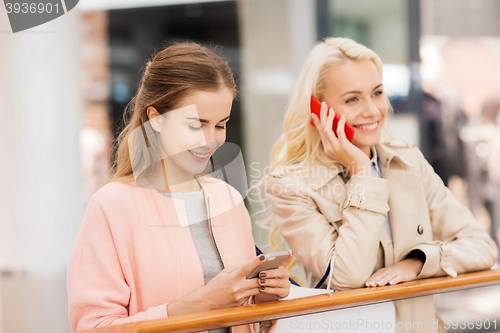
(348, 129)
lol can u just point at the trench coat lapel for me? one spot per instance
(405, 185)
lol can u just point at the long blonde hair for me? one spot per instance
(300, 142)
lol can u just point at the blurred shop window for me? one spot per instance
(396, 80)
(124, 59)
(381, 25)
(352, 28)
(95, 136)
(464, 74)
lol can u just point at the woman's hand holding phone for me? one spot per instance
(340, 149)
(231, 288)
(274, 284)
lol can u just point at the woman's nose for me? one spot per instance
(371, 109)
(208, 137)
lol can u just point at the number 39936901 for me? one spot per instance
(484, 324)
(31, 8)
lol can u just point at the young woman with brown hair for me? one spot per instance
(162, 238)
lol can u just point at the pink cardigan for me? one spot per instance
(132, 257)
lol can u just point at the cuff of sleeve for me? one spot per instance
(159, 311)
(437, 260)
(154, 312)
(367, 193)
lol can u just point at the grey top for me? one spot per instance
(377, 173)
(196, 213)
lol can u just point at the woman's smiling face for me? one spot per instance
(354, 89)
(191, 133)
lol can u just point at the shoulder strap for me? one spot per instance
(328, 273)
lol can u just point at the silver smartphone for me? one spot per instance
(274, 260)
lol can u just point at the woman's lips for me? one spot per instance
(371, 127)
(199, 157)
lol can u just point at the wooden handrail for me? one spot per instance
(289, 308)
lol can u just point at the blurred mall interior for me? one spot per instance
(64, 86)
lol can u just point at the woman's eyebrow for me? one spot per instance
(358, 92)
(351, 92)
(197, 119)
(204, 120)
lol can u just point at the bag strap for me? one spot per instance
(328, 273)
(292, 281)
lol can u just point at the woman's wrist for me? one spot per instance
(417, 258)
(361, 170)
(417, 264)
(189, 304)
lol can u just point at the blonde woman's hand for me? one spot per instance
(403, 271)
(274, 284)
(340, 149)
(227, 289)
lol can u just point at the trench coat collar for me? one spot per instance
(320, 172)
(387, 154)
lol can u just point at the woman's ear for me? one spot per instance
(154, 118)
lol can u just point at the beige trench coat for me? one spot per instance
(308, 201)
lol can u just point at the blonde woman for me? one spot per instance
(374, 207)
(163, 238)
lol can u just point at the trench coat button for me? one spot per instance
(420, 229)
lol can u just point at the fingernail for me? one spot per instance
(262, 287)
(262, 281)
(262, 257)
(323, 103)
(262, 274)
(292, 251)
